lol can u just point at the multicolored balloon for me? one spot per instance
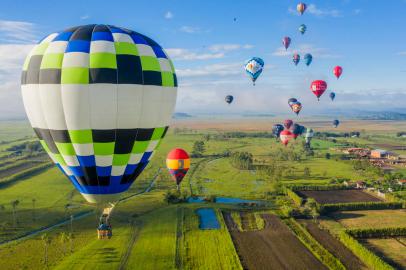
(286, 42)
(332, 96)
(308, 59)
(287, 123)
(229, 99)
(296, 59)
(291, 101)
(178, 163)
(98, 110)
(301, 7)
(285, 137)
(336, 123)
(318, 87)
(277, 129)
(302, 28)
(337, 70)
(254, 67)
(296, 107)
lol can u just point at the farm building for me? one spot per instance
(378, 153)
(361, 185)
(349, 184)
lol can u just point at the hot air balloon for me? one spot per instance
(277, 129)
(285, 136)
(301, 7)
(332, 96)
(336, 123)
(296, 59)
(337, 70)
(302, 28)
(296, 107)
(309, 135)
(287, 123)
(291, 101)
(286, 42)
(254, 67)
(308, 59)
(318, 87)
(297, 130)
(229, 99)
(178, 163)
(100, 99)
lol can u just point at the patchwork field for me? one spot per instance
(338, 196)
(371, 218)
(274, 247)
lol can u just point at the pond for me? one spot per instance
(207, 219)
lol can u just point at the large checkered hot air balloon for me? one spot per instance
(178, 163)
(100, 99)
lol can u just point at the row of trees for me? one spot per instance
(241, 160)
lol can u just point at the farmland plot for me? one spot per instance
(338, 196)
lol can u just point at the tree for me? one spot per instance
(328, 155)
(206, 137)
(47, 241)
(33, 208)
(64, 238)
(71, 237)
(198, 149)
(306, 172)
(14, 205)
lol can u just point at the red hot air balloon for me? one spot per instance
(318, 87)
(287, 123)
(286, 136)
(178, 163)
(286, 42)
(337, 70)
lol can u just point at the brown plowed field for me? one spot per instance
(274, 247)
(338, 196)
(350, 261)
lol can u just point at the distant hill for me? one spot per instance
(180, 115)
(257, 115)
(385, 115)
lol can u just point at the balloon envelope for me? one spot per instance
(254, 67)
(277, 129)
(296, 107)
(286, 136)
(318, 87)
(332, 95)
(336, 123)
(178, 163)
(296, 59)
(229, 99)
(286, 42)
(291, 101)
(308, 59)
(302, 28)
(100, 99)
(287, 123)
(301, 7)
(337, 71)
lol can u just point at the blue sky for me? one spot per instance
(209, 48)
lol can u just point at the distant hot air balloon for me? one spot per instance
(309, 136)
(296, 59)
(336, 123)
(229, 99)
(287, 123)
(297, 130)
(178, 163)
(308, 59)
(286, 42)
(98, 110)
(337, 70)
(301, 7)
(291, 101)
(277, 129)
(254, 67)
(302, 28)
(318, 87)
(332, 96)
(296, 107)
(286, 136)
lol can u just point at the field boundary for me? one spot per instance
(334, 207)
(377, 232)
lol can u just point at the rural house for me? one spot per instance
(361, 185)
(378, 153)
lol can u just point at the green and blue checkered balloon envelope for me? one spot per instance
(100, 99)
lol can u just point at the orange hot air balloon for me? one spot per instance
(301, 7)
(337, 70)
(178, 163)
(286, 136)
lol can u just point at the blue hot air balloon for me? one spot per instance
(302, 28)
(254, 67)
(336, 123)
(332, 96)
(308, 59)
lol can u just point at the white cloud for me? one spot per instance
(209, 70)
(85, 17)
(168, 15)
(17, 32)
(401, 53)
(190, 29)
(12, 57)
(185, 54)
(306, 48)
(314, 10)
(229, 47)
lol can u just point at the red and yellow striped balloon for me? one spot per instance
(178, 163)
